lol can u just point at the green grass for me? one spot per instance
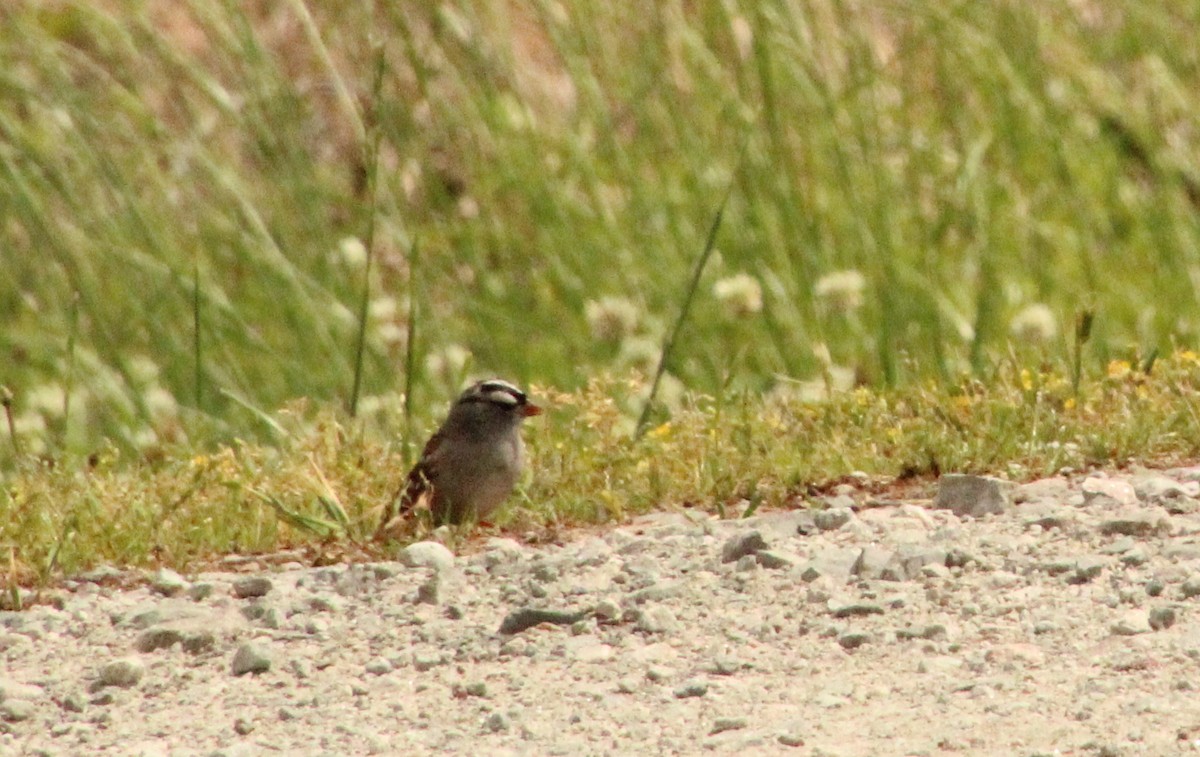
(200, 201)
(178, 181)
(322, 487)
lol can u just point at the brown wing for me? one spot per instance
(417, 485)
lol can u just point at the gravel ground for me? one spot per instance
(1054, 618)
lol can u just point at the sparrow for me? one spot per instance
(471, 463)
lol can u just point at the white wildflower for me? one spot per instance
(160, 403)
(29, 424)
(352, 252)
(142, 370)
(383, 309)
(640, 354)
(47, 399)
(448, 364)
(611, 319)
(740, 295)
(743, 37)
(1034, 323)
(391, 334)
(841, 291)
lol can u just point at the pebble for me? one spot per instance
(1132, 623)
(378, 666)
(123, 672)
(974, 496)
(16, 710)
(1162, 618)
(248, 587)
(168, 583)
(656, 620)
(528, 617)
(833, 518)
(427, 554)
(515, 649)
(1087, 568)
(853, 639)
(691, 689)
(742, 545)
(720, 725)
(1191, 586)
(251, 657)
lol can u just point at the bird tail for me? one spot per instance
(414, 489)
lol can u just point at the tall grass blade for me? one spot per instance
(410, 347)
(371, 166)
(69, 382)
(197, 356)
(688, 296)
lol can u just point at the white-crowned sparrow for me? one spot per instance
(470, 464)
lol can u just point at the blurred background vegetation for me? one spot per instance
(199, 200)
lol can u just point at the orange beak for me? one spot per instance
(531, 410)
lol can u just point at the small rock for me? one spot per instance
(470, 689)
(430, 590)
(10, 689)
(659, 674)
(378, 666)
(1191, 586)
(873, 561)
(248, 587)
(200, 591)
(720, 725)
(833, 518)
(657, 593)
(497, 722)
(1086, 568)
(168, 583)
(123, 672)
(973, 495)
(74, 702)
(747, 563)
(1132, 623)
(100, 575)
(855, 610)
(1162, 617)
(835, 563)
(427, 554)
(251, 657)
(656, 620)
(853, 639)
(791, 739)
(1156, 489)
(528, 617)
(243, 727)
(776, 560)
(935, 570)
(1136, 556)
(1155, 587)
(325, 603)
(1135, 524)
(193, 639)
(423, 661)
(725, 666)
(740, 545)
(1107, 493)
(910, 560)
(693, 688)
(16, 710)
(607, 610)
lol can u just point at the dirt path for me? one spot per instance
(1063, 625)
